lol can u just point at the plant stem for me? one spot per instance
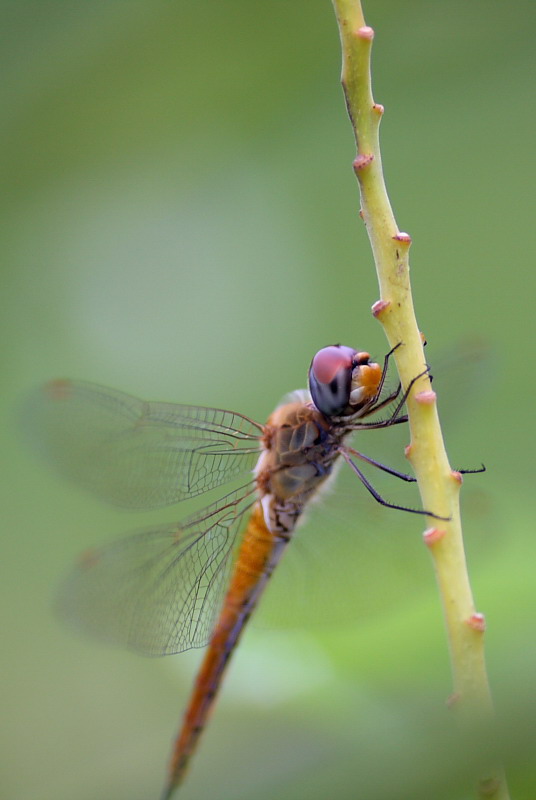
(438, 484)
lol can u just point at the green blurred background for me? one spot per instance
(179, 220)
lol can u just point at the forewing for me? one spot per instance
(139, 454)
(158, 591)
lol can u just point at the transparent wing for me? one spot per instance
(158, 591)
(139, 454)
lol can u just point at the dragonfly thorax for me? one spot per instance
(300, 447)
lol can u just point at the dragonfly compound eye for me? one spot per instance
(330, 378)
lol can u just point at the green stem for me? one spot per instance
(438, 484)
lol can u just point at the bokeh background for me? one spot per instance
(179, 219)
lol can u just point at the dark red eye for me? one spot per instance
(330, 377)
(330, 360)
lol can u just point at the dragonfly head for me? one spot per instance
(342, 380)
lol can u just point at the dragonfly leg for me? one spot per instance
(401, 402)
(402, 475)
(375, 406)
(377, 496)
(381, 423)
(481, 468)
(374, 400)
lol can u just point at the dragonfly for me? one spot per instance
(197, 582)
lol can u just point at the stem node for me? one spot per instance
(362, 161)
(366, 32)
(380, 307)
(477, 622)
(403, 238)
(426, 398)
(433, 535)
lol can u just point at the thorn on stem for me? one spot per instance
(407, 451)
(362, 161)
(426, 398)
(453, 699)
(366, 32)
(433, 535)
(403, 238)
(457, 476)
(379, 307)
(378, 108)
(477, 622)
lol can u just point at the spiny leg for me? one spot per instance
(377, 496)
(392, 420)
(482, 468)
(382, 423)
(405, 396)
(374, 400)
(374, 407)
(402, 475)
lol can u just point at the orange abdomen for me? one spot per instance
(259, 552)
